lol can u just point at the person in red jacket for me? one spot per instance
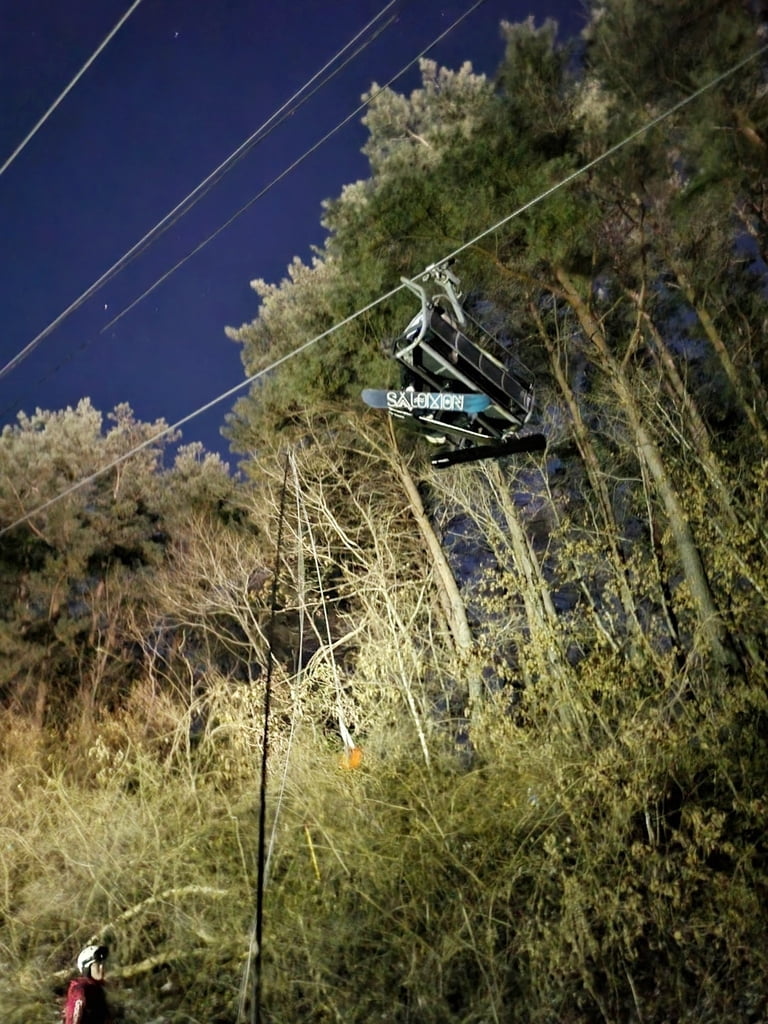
(86, 998)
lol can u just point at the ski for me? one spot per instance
(425, 401)
(529, 443)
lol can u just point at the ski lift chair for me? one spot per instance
(435, 354)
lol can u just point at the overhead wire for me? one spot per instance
(182, 208)
(292, 167)
(62, 95)
(208, 183)
(283, 174)
(540, 197)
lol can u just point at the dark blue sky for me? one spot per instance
(178, 89)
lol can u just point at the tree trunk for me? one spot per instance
(591, 462)
(718, 344)
(710, 622)
(545, 628)
(450, 596)
(700, 440)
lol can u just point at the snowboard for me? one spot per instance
(425, 401)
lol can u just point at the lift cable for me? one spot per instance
(288, 170)
(186, 204)
(222, 227)
(71, 85)
(394, 291)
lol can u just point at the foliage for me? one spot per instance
(555, 668)
(73, 575)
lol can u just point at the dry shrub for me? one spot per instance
(577, 877)
(126, 848)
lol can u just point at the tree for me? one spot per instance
(73, 574)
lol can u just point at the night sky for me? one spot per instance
(179, 88)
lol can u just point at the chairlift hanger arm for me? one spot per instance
(449, 284)
(417, 289)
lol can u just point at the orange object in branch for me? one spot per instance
(351, 758)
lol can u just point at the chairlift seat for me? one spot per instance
(444, 358)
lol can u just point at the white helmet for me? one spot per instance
(91, 955)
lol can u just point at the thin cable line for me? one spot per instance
(383, 298)
(71, 86)
(292, 167)
(198, 412)
(613, 149)
(186, 204)
(15, 406)
(222, 227)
